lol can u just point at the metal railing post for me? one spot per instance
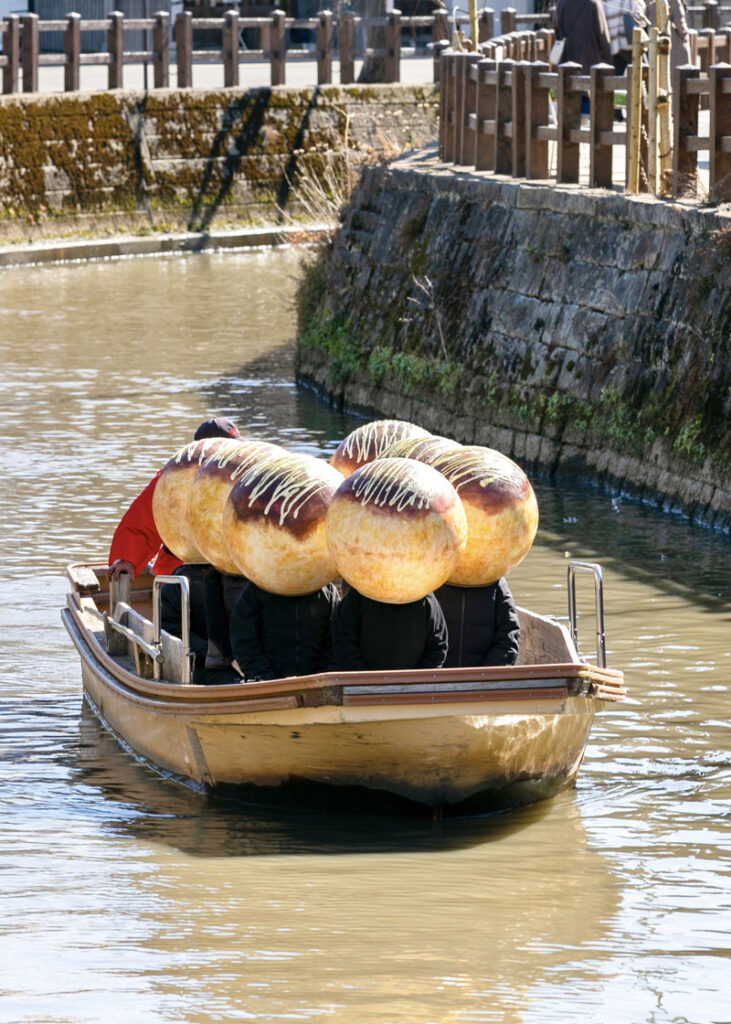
(184, 584)
(596, 570)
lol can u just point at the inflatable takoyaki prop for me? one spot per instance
(396, 529)
(501, 511)
(209, 492)
(274, 523)
(371, 441)
(170, 497)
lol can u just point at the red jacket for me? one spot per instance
(136, 539)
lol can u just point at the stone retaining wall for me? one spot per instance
(188, 158)
(584, 332)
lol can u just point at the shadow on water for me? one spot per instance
(154, 809)
(638, 541)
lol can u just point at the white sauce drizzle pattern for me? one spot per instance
(242, 456)
(187, 454)
(389, 483)
(290, 481)
(372, 439)
(465, 467)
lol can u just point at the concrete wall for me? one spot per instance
(187, 158)
(584, 332)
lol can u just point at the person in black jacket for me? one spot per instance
(222, 593)
(482, 623)
(373, 635)
(273, 636)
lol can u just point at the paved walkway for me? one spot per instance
(252, 74)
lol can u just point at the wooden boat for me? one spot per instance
(456, 739)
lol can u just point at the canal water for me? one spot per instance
(127, 898)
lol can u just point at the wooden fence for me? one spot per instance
(22, 53)
(498, 114)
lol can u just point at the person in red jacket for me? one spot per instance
(136, 540)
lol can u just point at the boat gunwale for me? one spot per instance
(601, 684)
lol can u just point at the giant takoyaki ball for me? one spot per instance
(209, 490)
(170, 497)
(370, 442)
(501, 510)
(396, 529)
(423, 449)
(274, 523)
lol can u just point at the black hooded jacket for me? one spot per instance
(482, 623)
(372, 635)
(273, 636)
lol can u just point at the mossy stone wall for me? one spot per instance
(585, 332)
(188, 158)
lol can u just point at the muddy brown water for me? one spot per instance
(126, 897)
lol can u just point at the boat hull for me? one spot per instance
(437, 755)
(466, 739)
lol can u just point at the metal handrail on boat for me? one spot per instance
(596, 569)
(183, 583)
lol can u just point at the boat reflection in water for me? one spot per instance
(309, 897)
(211, 825)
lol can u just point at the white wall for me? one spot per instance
(13, 7)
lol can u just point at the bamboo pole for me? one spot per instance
(664, 97)
(472, 8)
(652, 113)
(635, 113)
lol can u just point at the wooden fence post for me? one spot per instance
(440, 25)
(277, 47)
(519, 106)
(393, 46)
(685, 123)
(439, 47)
(115, 46)
(72, 50)
(485, 115)
(544, 42)
(11, 49)
(508, 21)
(469, 92)
(485, 25)
(184, 49)
(536, 116)
(723, 49)
(503, 117)
(568, 119)
(161, 46)
(346, 47)
(458, 126)
(325, 48)
(449, 87)
(711, 14)
(29, 51)
(230, 49)
(719, 164)
(601, 106)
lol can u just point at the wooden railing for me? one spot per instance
(22, 53)
(498, 114)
